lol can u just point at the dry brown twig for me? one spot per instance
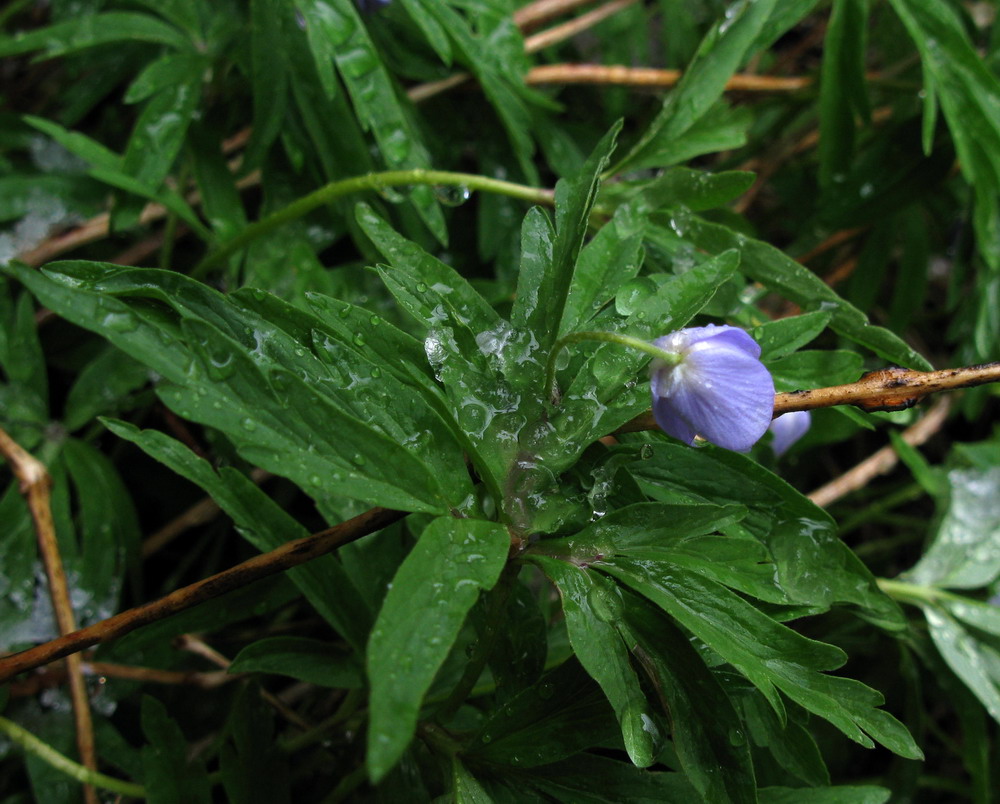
(882, 461)
(892, 388)
(262, 566)
(35, 485)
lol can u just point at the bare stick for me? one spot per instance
(544, 10)
(35, 485)
(262, 566)
(884, 389)
(567, 30)
(532, 44)
(882, 461)
(619, 75)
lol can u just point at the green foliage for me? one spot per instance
(345, 284)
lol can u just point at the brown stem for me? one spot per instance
(56, 675)
(882, 461)
(567, 30)
(532, 44)
(620, 75)
(35, 484)
(884, 389)
(205, 510)
(544, 10)
(262, 566)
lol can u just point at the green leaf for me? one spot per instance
(965, 553)
(720, 54)
(815, 369)
(797, 283)
(335, 28)
(575, 198)
(594, 779)
(711, 745)
(467, 790)
(161, 129)
(842, 794)
(435, 33)
(842, 87)
(309, 660)
(969, 94)
(108, 167)
(787, 335)
(105, 386)
(769, 654)
(109, 527)
(269, 76)
(608, 261)
(564, 713)
(798, 534)
(720, 128)
(307, 431)
(973, 660)
(266, 526)
(494, 54)
(92, 30)
(253, 772)
(592, 606)
(430, 596)
(168, 776)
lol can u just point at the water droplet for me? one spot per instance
(606, 604)
(374, 320)
(358, 460)
(736, 737)
(358, 339)
(376, 372)
(646, 452)
(452, 195)
(249, 424)
(345, 311)
(546, 690)
(123, 321)
(632, 295)
(421, 287)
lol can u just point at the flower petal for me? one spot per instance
(720, 391)
(666, 415)
(788, 429)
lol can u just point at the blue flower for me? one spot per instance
(715, 387)
(789, 428)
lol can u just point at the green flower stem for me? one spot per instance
(29, 742)
(358, 184)
(915, 594)
(670, 358)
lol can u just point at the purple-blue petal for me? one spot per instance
(720, 390)
(788, 429)
(683, 339)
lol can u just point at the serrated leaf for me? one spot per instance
(430, 596)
